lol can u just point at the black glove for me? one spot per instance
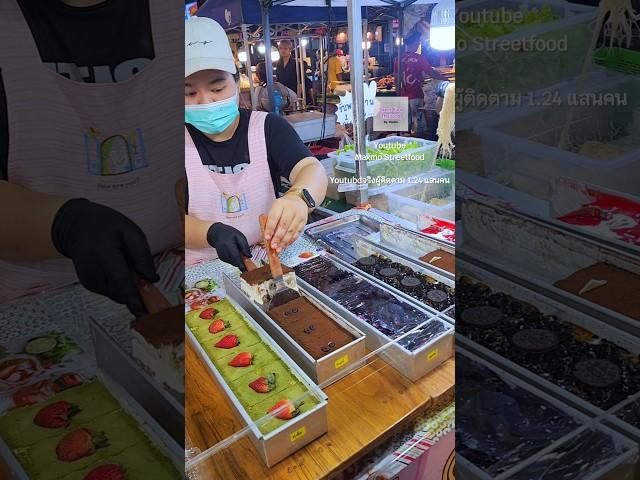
(107, 250)
(230, 244)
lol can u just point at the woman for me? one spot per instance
(88, 164)
(234, 159)
(289, 97)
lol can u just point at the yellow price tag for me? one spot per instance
(432, 354)
(342, 361)
(301, 432)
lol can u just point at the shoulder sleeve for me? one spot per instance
(284, 147)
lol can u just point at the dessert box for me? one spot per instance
(412, 339)
(412, 245)
(557, 347)
(541, 255)
(323, 371)
(337, 234)
(535, 436)
(273, 439)
(135, 441)
(433, 291)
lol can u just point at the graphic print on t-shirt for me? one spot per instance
(99, 73)
(114, 154)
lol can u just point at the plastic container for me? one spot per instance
(555, 54)
(410, 162)
(436, 199)
(524, 150)
(618, 59)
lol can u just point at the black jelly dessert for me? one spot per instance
(420, 286)
(630, 413)
(370, 303)
(592, 368)
(499, 425)
(579, 457)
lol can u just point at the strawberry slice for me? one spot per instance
(56, 415)
(218, 325)
(264, 384)
(80, 443)
(285, 409)
(110, 471)
(243, 359)
(228, 341)
(208, 313)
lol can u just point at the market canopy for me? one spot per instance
(231, 13)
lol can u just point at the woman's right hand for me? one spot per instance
(230, 244)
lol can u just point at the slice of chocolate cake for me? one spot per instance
(441, 259)
(606, 285)
(258, 284)
(314, 331)
(157, 342)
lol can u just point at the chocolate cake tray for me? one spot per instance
(157, 435)
(323, 371)
(395, 279)
(540, 433)
(590, 335)
(297, 432)
(549, 254)
(412, 245)
(625, 418)
(337, 235)
(413, 363)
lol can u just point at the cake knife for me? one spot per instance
(283, 293)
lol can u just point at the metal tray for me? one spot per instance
(146, 423)
(552, 254)
(325, 370)
(287, 439)
(365, 247)
(412, 245)
(412, 364)
(547, 306)
(337, 235)
(619, 468)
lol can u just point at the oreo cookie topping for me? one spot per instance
(554, 349)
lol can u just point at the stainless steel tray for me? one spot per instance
(325, 370)
(550, 307)
(365, 247)
(146, 423)
(552, 254)
(337, 235)
(619, 468)
(296, 433)
(412, 364)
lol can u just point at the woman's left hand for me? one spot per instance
(287, 218)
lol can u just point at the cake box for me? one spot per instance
(324, 370)
(296, 432)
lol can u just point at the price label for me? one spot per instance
(301, 432)
(342, 361)
(432, 354)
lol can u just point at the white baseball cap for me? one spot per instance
(206, 47)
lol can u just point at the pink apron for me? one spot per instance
(115, 144)
(234, 199)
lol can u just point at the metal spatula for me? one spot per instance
(283, 293)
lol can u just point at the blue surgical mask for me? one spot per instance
(212, 118)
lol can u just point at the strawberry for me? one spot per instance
(264, 384)
(108, 471)
(192, 294)
(243, 359)
(208, 313)
(80, 443)
(289, 409)
(218, 325)
(213, 299)
(228, 341)
(56, 415)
